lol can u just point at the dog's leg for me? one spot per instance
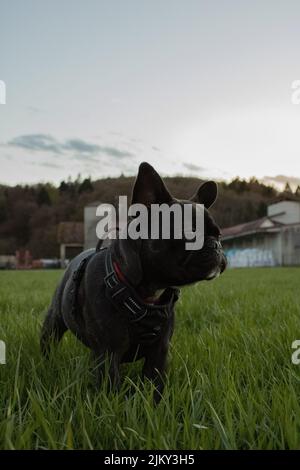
(108, 363)
(54, 326)
(155, 369)
(53, 329)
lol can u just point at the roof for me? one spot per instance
(263, 224)
(93, 204)
(283, 197)
(70, 232)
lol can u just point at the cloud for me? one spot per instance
(46, 164)
(80, 148)
(283, 179)
(41, 142)
(114, 152)
(34, 110)
(118, 134)
(193, 167)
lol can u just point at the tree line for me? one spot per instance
(30, 214)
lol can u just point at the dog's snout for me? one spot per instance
(223, 264)
(214, 243)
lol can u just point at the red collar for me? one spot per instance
(119, 273)
(122, 278)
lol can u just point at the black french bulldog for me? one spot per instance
(119, 300)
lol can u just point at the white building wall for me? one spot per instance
(291, 245)
(285, 212)
(266, 245)
(284, 245)
(90, 222)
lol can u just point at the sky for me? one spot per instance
(193, 87)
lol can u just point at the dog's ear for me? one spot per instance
(206, 194)
(149, 188)
(127, 252)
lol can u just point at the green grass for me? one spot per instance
(231, 383)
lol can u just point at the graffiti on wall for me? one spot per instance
(250, 257)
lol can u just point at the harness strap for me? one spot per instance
(147, 319)
(120, 294)
(124, 297)
(76, 279)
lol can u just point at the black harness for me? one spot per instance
(146, 319)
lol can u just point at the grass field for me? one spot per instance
(231, 382)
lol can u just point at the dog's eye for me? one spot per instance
(214, 232)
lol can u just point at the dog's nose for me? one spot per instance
(223, 263)
(214, 243)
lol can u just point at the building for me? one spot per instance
(90, 223)
(70, 239)
(92, 217)
(8, 261)
(273, 240)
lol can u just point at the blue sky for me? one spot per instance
(203, 88)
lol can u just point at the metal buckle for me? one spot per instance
(111, 277)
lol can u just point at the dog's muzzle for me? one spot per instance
(215, 244)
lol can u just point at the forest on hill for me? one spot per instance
(29, 215)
